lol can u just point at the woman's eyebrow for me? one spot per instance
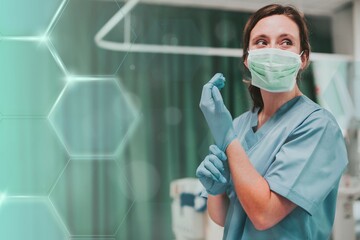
(286, 35)
(266, 36)
(260, 36)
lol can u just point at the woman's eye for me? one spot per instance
(286, 42)
(261, 42)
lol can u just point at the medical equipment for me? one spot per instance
(347, 208)
(345, 222)
(333, 81)
(190, 220)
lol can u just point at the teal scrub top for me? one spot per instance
(301, 153)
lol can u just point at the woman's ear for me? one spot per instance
(246, 63)
(304, 60)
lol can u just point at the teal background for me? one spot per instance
(90, 139)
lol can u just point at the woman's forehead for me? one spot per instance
(274, 26)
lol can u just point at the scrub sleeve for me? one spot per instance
(307, 167)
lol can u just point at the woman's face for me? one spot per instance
(276, 31)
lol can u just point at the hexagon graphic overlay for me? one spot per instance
(89, 197)
(76, 46)
(92, 118)
(32, 157)
(27, 18)
(28, 86)
(30, 218)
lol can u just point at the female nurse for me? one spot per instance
(274, 171)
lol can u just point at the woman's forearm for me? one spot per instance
(264, 207)
(217, 208)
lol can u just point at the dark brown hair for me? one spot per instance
(269, 10)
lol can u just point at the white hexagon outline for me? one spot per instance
(57, 61)
(130, 130)
(55, 177)
(46, 201)
(123, 178)
(45, 35)
(53, 50)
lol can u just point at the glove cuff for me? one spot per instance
(230, 136)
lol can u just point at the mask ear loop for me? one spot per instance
(301, 57)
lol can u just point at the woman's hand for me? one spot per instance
(213, 172)
(216, 114)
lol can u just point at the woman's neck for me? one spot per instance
(273, 101)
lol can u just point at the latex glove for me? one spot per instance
(216, 114)
(213, 172)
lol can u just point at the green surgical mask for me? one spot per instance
(273, 69)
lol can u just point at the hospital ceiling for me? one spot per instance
(313, 7)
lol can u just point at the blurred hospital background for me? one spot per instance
(100, 129)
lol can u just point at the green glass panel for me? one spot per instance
(32, 157)
(90, 197)
(25, 18)
(76, 45)
(92, 117)
(29, 218)
(30, 78)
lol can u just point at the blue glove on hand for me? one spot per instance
(213, 172)
(216, 114)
